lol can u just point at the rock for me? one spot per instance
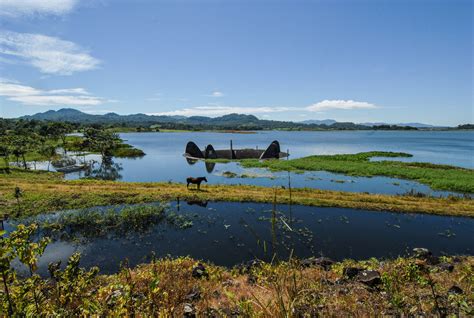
(231, 312)
(343, 291)
(351, 272)
(189, 310)
(446, 267)
(251, 279)
(323, 262)
(425, 254)
(457, 259)
(247, 266)
(432, 260)
(194, 294)
(421, 252)
(199, 271)
(455, 290)
(228, 282)
(369, 278)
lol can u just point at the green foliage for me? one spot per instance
(439, 177)
(33, 295)
(409, 287)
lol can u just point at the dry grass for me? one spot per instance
(288, 290)
(45, 192)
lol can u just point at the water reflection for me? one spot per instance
(106, 169)
(247, 231)
(210, 167)
(191, 161)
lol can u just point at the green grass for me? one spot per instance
(438, 177)
(123, 150)
(46, 192)
(127, 151)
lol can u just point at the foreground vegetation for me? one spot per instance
(438, 177)
(45, 192)
(424, 285)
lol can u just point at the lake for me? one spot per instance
(228, 233)
(164, 159)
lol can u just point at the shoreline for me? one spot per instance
(45, 192)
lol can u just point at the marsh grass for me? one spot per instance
(110, 221)
(439, 177)
(47, 192)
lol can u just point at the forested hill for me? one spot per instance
(231, 121)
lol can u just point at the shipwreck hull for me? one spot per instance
(273, 151)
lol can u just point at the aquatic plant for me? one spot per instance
(109, 222)
(440, 177)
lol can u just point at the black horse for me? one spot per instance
(195, 181)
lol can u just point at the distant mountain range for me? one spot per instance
(231, 121)
(319, 122)
(416, 125)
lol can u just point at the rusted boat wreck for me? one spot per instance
(272, 152)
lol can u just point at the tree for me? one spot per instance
(101, 140)
(58, 130)
(5, 151)
(48, 152)
(20, 145)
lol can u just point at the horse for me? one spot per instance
(195, 181)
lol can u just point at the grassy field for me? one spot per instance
(46, 192)
(438, 177)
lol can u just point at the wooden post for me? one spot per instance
(232, 155)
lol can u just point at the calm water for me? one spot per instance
(230, 233)
(164, 159)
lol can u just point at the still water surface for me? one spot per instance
(230, 233)
(164, 159)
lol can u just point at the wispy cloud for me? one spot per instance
(27, 95)
(218, 110)
(216, 94)
(339, 104)
(16, 8)
(213, 111)
(50, 55)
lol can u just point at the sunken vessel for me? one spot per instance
(271, 152)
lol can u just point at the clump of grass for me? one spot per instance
(218, 160)
(94, 223)
(122, 150)
(127, 151)
(88, 223)
(440, 177)
(229, 174)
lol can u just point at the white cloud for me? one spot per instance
(28, 95)
(212, 111)
(216, 94)
(15, 8)
(339, 104)
(50, 55)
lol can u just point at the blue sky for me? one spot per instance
(360, 61)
